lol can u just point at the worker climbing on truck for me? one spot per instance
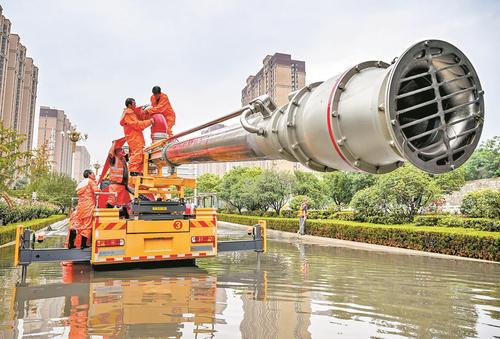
(133, 126)
(86, 190)
(161, 104)
(118, 177)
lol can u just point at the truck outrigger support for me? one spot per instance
(25, 252)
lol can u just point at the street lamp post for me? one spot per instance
(75, 136)
(97, 165)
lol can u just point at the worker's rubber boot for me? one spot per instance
(84, 242)
(124, 212)
(71, 239)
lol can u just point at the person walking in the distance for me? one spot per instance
(303, 209)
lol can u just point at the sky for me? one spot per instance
(92, 54)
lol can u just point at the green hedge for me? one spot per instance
(343, 215)
(10, 215)
(484, 224)
(8, 232)
(311, 214)
(289, 213)
(446, 240)
(428, 219)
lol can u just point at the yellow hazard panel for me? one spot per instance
(19, 232)
(157, 226)
(110, 226)
(205, 213)
(201, 223)
(103, 215)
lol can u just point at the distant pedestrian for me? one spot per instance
(303, 209)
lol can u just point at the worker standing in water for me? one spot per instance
(133, 127)
(86, 190)
(161, 104)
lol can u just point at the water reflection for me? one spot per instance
(116, 304)
(297, 290)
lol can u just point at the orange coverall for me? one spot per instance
(132, 127)
(86, 204)
(118, 173)
(162, 105)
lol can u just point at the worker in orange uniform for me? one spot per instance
(161, 104)
(118, 177)
(86, 190)
(133, 127)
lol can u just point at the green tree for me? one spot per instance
(40, 163)
(237, 185)
(208, 183)
(274, 189)
(485, 161)
(451, 181)
(252, 197)
(482, 204)
(340, 187)
(397, 196)
(55, 188)
(307, 183)
(13, 161)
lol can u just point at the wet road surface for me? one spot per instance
(297, 290)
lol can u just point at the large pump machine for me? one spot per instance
(426, 107)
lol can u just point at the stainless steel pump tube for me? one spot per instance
(426, 108)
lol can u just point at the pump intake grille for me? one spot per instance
(436, 106)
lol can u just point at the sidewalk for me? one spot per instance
(58, 226)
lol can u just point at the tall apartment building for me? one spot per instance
(18, 84)
(28, 106)
(279, 76)
(4, 51)
(81, 162)
(52, 127)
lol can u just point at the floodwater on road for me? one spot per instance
(297, 290)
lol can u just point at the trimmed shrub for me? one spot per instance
(343, 215)
(270, 214)
(311, 214)
(453, 241)
(388, 219)
(483, 224)
(289, 214)
(252, 213)
(318, 214)
(482, 204)
(428, 220)
(24, 212)
(8, 232)
(451, 221)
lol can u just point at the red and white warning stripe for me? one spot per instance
(152, 257)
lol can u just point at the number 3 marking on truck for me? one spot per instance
(178, 225)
